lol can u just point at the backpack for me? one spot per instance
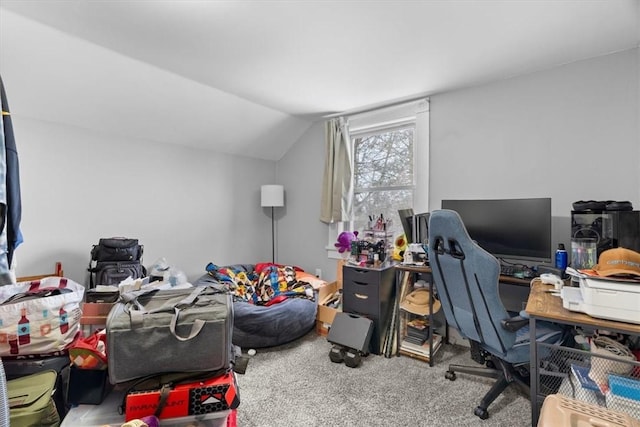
(114, 259)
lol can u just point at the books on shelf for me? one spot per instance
(421, 349)
(415, 340)
(418, 328)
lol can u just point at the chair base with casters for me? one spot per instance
(504, 374)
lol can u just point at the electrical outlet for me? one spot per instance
(318, 273)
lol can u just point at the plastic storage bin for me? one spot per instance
(561, 411)
(106, 414)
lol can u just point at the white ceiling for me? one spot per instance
(248, 77)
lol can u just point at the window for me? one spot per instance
(384, 178)
(390, 166)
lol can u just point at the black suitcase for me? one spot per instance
(16, 368)
(351, 336)
(351, 331)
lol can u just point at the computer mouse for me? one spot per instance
(552, 279)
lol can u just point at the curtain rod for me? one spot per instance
(372, 108)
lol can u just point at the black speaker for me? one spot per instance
(611, 229)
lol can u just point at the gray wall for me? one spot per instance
(570, 133)
(302, 238)
(189, 206)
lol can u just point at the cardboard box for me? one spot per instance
(325, 315)
(95, 313)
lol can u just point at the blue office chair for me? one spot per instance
(466, 278)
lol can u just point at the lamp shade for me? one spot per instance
(272, 196)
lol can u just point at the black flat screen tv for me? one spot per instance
(517, 229)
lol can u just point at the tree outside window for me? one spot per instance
(384, 178)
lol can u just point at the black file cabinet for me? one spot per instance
(369, 292)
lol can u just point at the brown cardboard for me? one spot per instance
(325, 315)
(95, 313)
(96, 308)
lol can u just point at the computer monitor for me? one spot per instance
(415, 226)
(518, 229)
(421, 228)
(406, 219)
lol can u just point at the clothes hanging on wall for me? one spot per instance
(10, 200)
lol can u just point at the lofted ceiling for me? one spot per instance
(249, 77)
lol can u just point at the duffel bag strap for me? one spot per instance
(197, 326)
(165, 391)
(190, 299)
(137, 316)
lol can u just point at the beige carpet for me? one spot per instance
(297, 385)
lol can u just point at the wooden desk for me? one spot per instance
(542, 305)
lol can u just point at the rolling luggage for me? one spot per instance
(152, 332)
(19, 368)
(30, 401)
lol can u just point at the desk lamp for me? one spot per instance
(272, 196)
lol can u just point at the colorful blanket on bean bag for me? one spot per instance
(266, 285)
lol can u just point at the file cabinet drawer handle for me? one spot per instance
(361, 296)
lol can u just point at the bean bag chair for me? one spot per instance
(282, 319)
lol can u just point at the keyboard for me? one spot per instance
(519, 271)
(509, 270)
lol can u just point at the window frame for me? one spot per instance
(336, 228)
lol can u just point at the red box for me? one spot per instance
(194, 398)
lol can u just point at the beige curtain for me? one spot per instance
(337, 187)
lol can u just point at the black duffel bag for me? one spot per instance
(113, 260)
(117, 249)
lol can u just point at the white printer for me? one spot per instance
(604, 298)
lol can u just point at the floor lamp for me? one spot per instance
(272, 196)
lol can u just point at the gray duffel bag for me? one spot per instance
(165, 331)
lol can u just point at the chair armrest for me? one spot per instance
(512, 324)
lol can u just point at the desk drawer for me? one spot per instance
(361, 275)
(362, 299)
